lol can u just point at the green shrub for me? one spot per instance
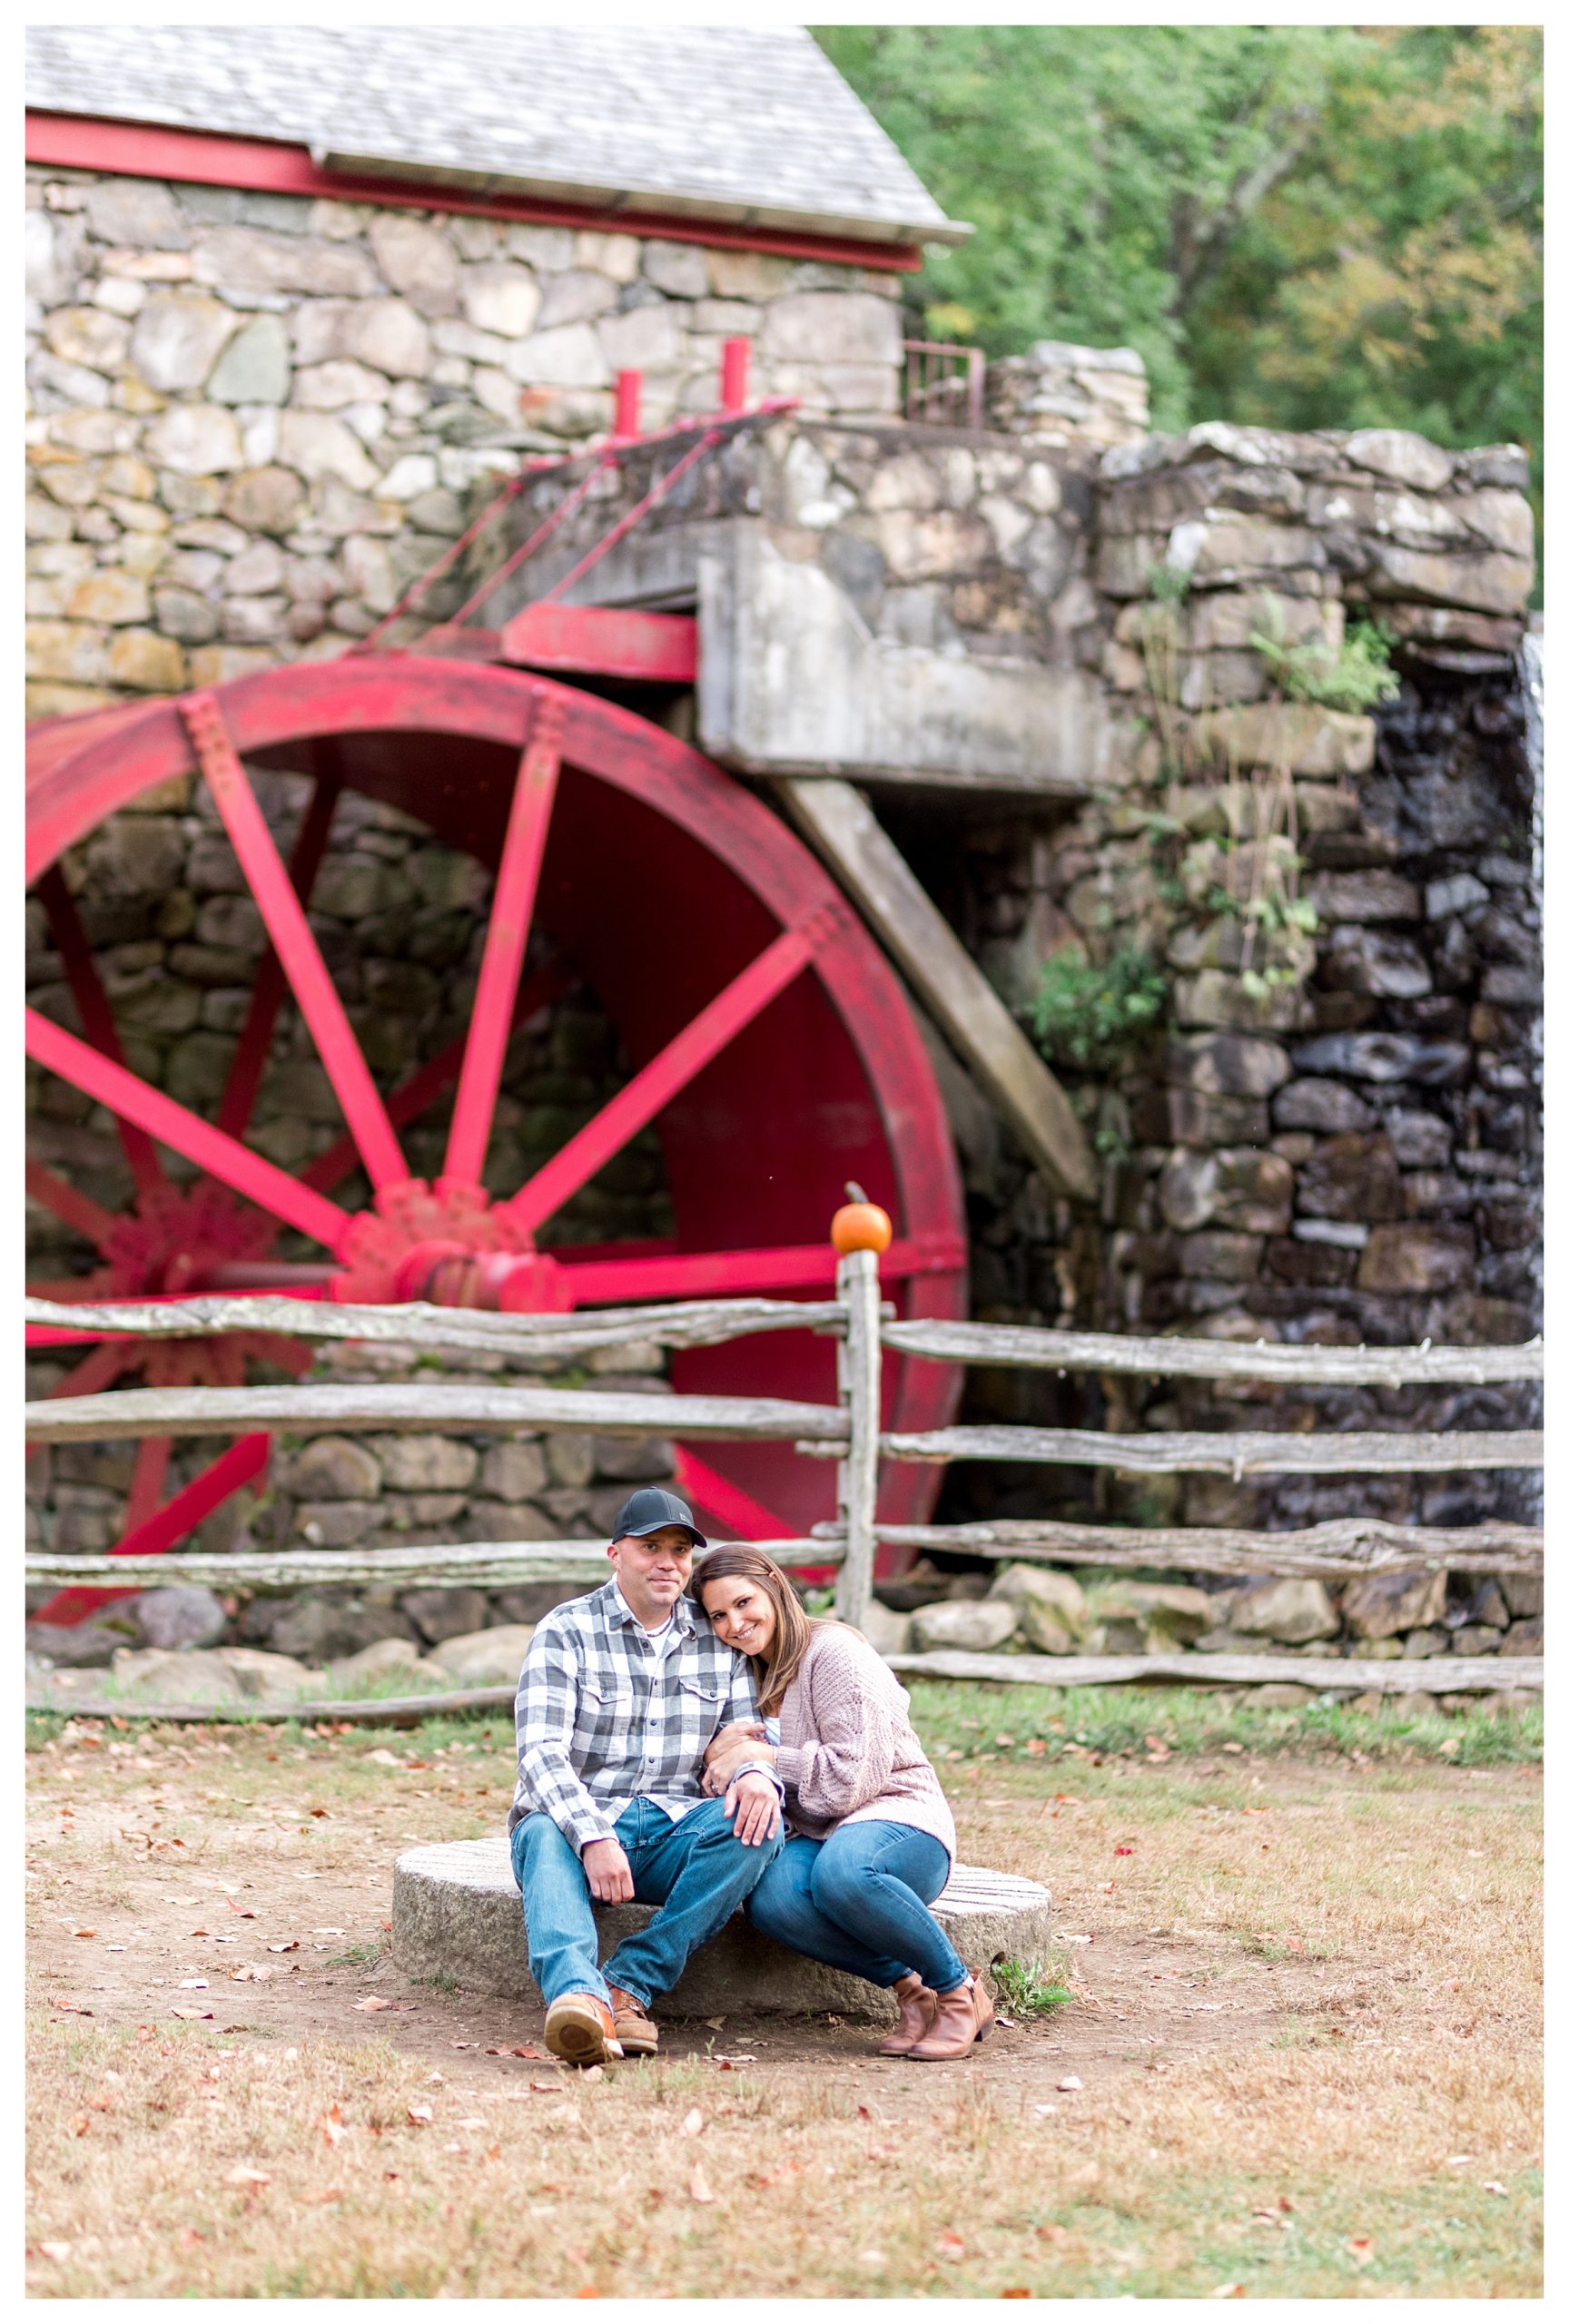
(1094, 1016)
(1357, 677)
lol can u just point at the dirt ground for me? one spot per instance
(1271, 1953)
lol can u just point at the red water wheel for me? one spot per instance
(770, 1047)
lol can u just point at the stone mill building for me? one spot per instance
(917, 680)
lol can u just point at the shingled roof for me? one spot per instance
(702, 120)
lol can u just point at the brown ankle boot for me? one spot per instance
(916, 2002)
(635, 2029)
(960, 2020)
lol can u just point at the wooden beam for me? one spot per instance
(1444, 1674)
(527, 1339)
(1339, 1549)
(842, 826)
(313, 1411)
(1181, 1357)
(1255, 1452)
(485, 1565)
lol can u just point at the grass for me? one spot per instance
(958, 1720)
(1028, 1989)
(1305, 2015)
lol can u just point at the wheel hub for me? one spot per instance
(175, 1240)
(448, 1245)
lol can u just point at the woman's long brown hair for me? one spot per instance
(738, 1561)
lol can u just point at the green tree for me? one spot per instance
(1303, 226)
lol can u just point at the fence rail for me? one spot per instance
(848, 1433)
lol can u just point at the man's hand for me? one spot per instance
(610, 1873)
(753, 1804)
(738, 1747)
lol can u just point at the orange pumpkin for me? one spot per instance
(861, 1226)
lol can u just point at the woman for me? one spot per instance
(872, 1836)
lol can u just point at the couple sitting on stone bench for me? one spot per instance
(672, 1728)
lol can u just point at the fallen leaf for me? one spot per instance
(79, 2126)
(551, 2086)
(418, 2114)
(949, 2246)
(193, 1984)
(865, 2114)
(741, 2058)
(692, 2125)
(384, 1758)
(1493, 2186)
(243, 1911)
(1054, 2231)
(1293, 1944)
(71, 2008)
(1010, 2023)
(716, 2023)
(1360, 2248)
(317, 1811)
(1015, 2292)
(1229, 2291)
(1045, 2110)
(372, 2001)
(700, 2189)
(190, 2012)
(245, 2174)
(101, 2102)
(288, 1944)
(329, 1932)
(1121, 1851)
(84, 1932)
(56, 2251)
(1070, 2082)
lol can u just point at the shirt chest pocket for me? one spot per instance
(607, 1706)
(700, 1702)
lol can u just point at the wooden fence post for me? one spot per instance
(861, 1392)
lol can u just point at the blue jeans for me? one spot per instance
(695, 1868)
(857, 1901)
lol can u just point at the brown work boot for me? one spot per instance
(579, 2029)
(917, 2004)
(635, 2029)
(960, 2020)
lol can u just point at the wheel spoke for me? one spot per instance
(432, 1081)
(720, 1275)
(506, 941)
(677, 1063)
(78, 1211)
(245, 1460)
(254, 1045)
(93, 1007)
(147, 1479)
(251, 1175)
(95, 1371)
(294, 942)
(737, 1511)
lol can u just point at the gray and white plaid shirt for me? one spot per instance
(605, 1718)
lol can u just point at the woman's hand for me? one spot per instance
(751, 1729)
(753, 1805)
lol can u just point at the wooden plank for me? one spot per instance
(313, 1411)
(1339, 1549)
(840, 824)
(861, 1392)
(1204, 1359)
(392, 1710)
(1444, 1674)
(688, 1322)
(1255, 1452)
(490, 1565)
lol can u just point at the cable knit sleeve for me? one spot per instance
(846, 1755)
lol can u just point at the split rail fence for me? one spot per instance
(849, 1433)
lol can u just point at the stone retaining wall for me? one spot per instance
(254, 418)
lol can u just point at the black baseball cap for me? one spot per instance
(649, 1508)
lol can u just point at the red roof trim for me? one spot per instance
(142, 150)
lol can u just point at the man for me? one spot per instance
(621, 1693)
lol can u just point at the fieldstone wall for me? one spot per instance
(253, 419)
(1335, 1139)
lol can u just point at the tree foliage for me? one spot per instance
(1304, 226)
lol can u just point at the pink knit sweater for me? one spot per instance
(847, 1752)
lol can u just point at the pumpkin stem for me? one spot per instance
(855, 1193)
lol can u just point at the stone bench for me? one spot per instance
(456, 1913)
